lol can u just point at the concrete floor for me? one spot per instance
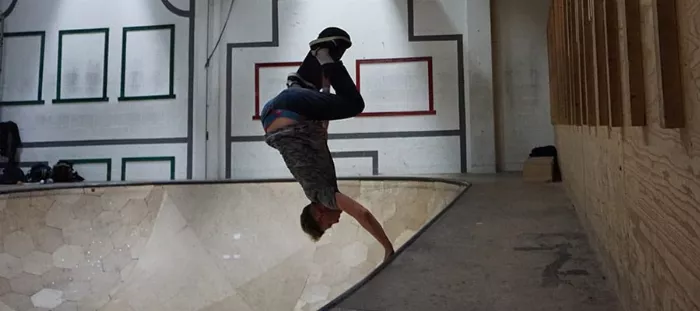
(505, 245)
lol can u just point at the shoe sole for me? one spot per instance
(304, 83)
(326, 39)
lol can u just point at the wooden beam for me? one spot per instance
(602, 63)
(570, 62)
(583, 49)
(591, 66)
(551, 46)
(614, 74)
(561, 58)
(636, 63)
(576, 53)
(672, 110)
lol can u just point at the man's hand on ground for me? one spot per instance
(365, 218)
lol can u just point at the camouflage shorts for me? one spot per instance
(304, 148)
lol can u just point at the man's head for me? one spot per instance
(316, 219)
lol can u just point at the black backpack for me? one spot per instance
(11, 175)
(39, 172)
(63, 172)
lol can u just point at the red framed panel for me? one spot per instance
(429, 110)
(259, 66)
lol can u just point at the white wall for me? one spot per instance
(420, 151)
(64, 125)
(522, 79)
(379, 28)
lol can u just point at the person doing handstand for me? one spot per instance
(295, 123)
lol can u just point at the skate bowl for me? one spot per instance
(234, 245)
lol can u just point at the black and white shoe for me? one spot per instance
(336, 40)
(295, 80)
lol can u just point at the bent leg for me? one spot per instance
(314, 105)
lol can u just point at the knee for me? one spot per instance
(359, 105)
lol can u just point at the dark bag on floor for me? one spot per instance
(39, 172)
(64, 172)
(12, 175)
(546, 151)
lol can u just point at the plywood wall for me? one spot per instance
(635, 183)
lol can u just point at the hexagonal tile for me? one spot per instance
(48, 239)
(125, 235)
(87, 208)
(99, 248)
(137, 248)
(316, 293)
(26, 284)
(8, 223)
(126, 272)
(94, 301)
(117, 305)
(113, 201)
(41, 201)
(75, 291)
(86, 271)
(116, 261)
(56, 278)
(67, 306)
(104, 282)
(134, 211)
(18, 244)
(26, 215)
(4, 286)
(107, 222)
(68, 256)
(47, 298)
(354, 254)
(59, 216)
(3, 202)
(146, 225)
(37, 263)
(67, 196)
(17, 301)
(79, 232)
(10, 266)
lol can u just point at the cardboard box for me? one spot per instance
(539, 169)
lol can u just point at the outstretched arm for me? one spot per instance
(367, 220)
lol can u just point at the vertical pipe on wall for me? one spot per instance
(206, 95)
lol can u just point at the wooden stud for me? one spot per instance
(552, 72)
(615, 78)
(583, 67)
(561, 39)
(602, 63)
(636, 63)
(591, 97)
(672, 112)
(576, 53)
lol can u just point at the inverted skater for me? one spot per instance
(295, 123)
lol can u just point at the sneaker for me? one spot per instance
(336, 40)
(295, 80)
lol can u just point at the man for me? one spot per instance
(295, 123)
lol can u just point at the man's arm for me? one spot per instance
(367, 220)
(326, 89)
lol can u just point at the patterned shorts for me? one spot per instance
(304, 148)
